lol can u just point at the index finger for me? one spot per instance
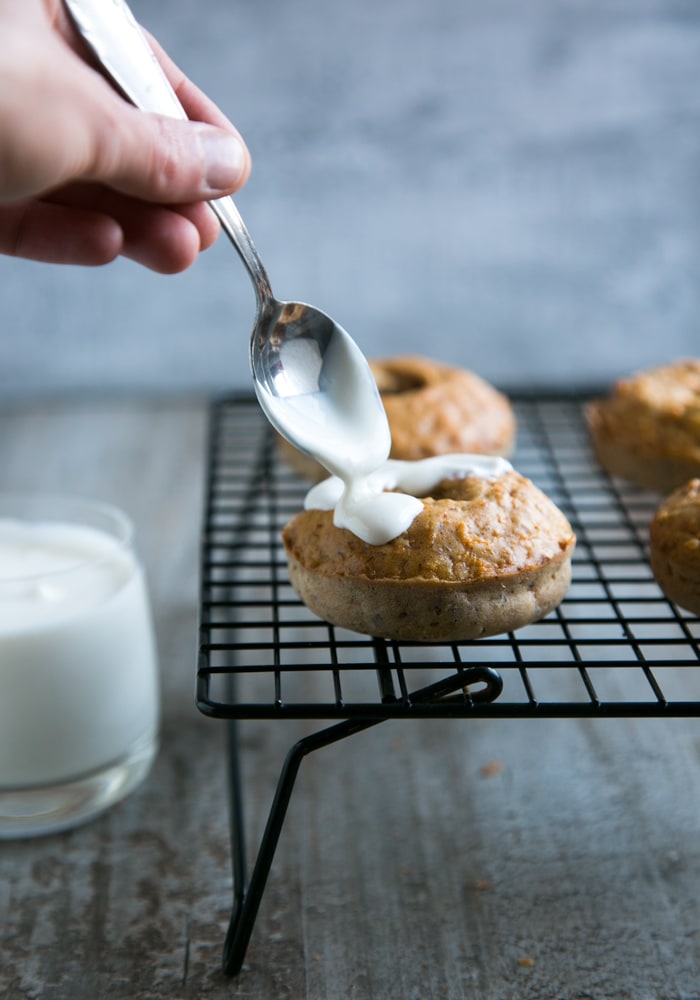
(198, 106)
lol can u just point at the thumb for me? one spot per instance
(165, 160)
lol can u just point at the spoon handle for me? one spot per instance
(111, 31)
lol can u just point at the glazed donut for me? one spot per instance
(432, 409)
(648, 429)
(674, 536)
(483, 556)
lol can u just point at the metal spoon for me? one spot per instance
(310, 377)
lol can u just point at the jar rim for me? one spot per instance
(51, 509)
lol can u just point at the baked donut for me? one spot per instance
(648, 429)
(674, 536)
(432, 409)
(483, 556)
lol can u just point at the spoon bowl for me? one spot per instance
(310, 377)
(316, 388)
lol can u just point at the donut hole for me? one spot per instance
(463, 490)
(391, 382)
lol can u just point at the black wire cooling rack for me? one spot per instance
(615, 646)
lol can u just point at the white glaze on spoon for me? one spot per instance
(345, 428)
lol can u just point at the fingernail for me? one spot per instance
(225, 159)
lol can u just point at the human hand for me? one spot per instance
(86, 177)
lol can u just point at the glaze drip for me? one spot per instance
(362, 504)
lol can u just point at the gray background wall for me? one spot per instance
(511, 185)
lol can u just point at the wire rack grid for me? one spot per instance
(615, 646)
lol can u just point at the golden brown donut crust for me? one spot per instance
(483, 556)
(674, 535)
(648, 429)
(432, 409)
(438, 409)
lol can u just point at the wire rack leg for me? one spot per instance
(246, 900)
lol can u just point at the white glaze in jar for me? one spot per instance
(78, 669)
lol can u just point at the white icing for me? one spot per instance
(361, 504)
(345, 426)
(345, 430)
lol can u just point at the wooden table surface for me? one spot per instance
(490, 859)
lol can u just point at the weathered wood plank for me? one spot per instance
(504, 860)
